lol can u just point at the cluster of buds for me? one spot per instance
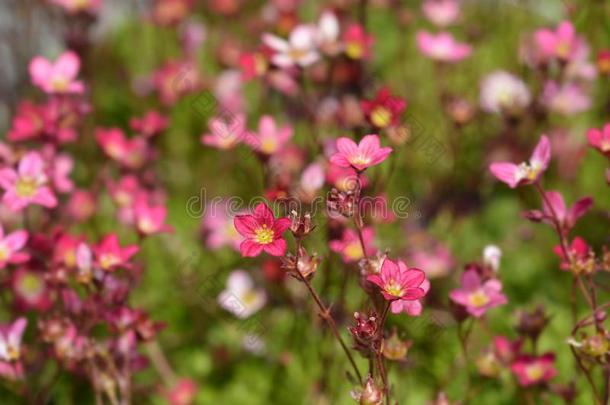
(366, 332)
(596, 347)
(306, 264)
(531, 324)
(342, 203)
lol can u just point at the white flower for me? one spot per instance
(327, 33)
(491, 256)
(300, 49)
(504, 92)
(240, 297)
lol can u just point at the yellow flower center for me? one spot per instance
(297, 54)
(354, 50)
(31, 285)
(260, 64)
(354, 251)
(268, 146)
(478, 299)
(563, 50)
(13, 353)
(60, 83)
(360, 160)
(108, 260)
(4, 252)
(534, 372)
(26, 187)
(264, 235)
(393, 288)
(381, 117)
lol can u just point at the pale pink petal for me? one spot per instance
(67, 65)
(16, 240)
(542, 153)
(505, 172)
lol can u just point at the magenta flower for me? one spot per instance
(349, 245)
(269, 138)
(397, 282)
(567, 217)
(152, 123)
(10, 246)
(442, 47)
(226, 133)
(110, 255)
(357, 42)
(26, 185)
(580, 256)
(130, 152)
(359, 156)
(262, 232)
(532, 370)
(563, 43)
(411, 308)
(526, 172)
(30, 290)
(600, 139)
(478, 297)
(58, 77)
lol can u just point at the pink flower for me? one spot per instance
(150, 219)
(31, 290)
(526, 172)
(397, 282)
(411, 308)
(218, 226)
(478, 297)
(441, 12)
(58, 77)
(152, 123)
(567, 217)
(442, 47)
(75, 6)
(262, 232)
(563, 43)
(600, 139)
(129, 152)
(581, 258)
(26, 185)
(10, 246)
(357, 42)
(532, 370)
(299, 49)
(269, 138)
(349, 245)
(436, 261)
(176, 79)
(10, 349)
(384, 110)
(226, 133)
(183, 392)
(359, 156)
(253, 64)
(110, 255)
(565, 99)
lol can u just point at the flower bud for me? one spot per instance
(365, 331)
(300, 226)
(369, 395)
(307, 265)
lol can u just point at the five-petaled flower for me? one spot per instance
(360, 156)
(532, 370)
(110, 255)
(477, 296)
(262, 232)
(27, 185)
(58, 77)
(600, 139)
(384, 110)
(527, 172)
(398, 282)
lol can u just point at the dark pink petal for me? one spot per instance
(280, 226)
(276, 248)
(264, 215)
(375, 279)
(8, 178)
(412, 278)
(594, 136)
(245, 225)
(412, 294)
(579, 209)
(249, 248)
(470, 280)
(557, 205)
(45, 197)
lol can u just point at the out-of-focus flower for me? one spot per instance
(532, 370)
(365, 331)
(383, 110)
(150, 219)
(603, 62)
(253, 64)
(436, 261)
(226, 133)
(476, 296)
(327, 34)
(128, 152)
(58, 77)
(240, 297)
(110, 255)
(600, 139)
(442, 47)
(393, 348)
(10, 348)
(82, 205)
(532, 323)
(31, 290)
(169, 12)
(152, 123)
(595, 346)
(269, 139)
(491, 257)
(175, 79)
(502, 92)
(183, 392)
(11, 246)
(526, 172)
(27, 185)
(441, 12)
(299, 49)
(488, 365)
(218, 225)
(76, 6)
(262, 232)
(563, 43)
(349, 245)
(357, 42)
(506, 350)
(360, 156)
(398, 282)
(580, 257)
(370, 394)
(565, 99)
